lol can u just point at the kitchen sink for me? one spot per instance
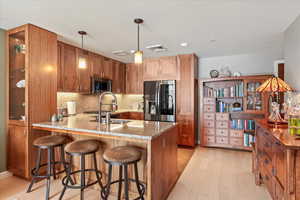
(114, 121)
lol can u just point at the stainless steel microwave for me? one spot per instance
(99, 85)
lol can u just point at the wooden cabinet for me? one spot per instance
(32, 59)
(131, 115)
(134, 79)
(96, 62)
(72, 78)
(163, 68)
(67, 76)
(151, 69)
(107, 68)
(217, 97)
(16, 150)
(119, 75)
(277, 154)
(186, 97)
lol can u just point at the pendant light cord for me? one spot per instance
(138, 37)
(82, 41)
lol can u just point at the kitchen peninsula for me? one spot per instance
(156, 140)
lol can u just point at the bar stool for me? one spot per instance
(48, 143)
(81, 148)
(122, 156)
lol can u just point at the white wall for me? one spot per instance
(292, 54)
(260, 62)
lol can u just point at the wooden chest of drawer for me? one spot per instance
(236, 133)
(210, 139)
(222, 132)
(210, 101)
(222, 124)
(209, 108)
(209, 116)
(222, 116)
(222, 140)
(209, 131)
(236, 141)
(209, 124)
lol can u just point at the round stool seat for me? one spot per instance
(49, 141)
(122, 154)
(82, 147)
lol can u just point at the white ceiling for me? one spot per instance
(238, 26)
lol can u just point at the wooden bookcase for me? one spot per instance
(228, 107)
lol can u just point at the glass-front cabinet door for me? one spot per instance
(17, 81)
(253, 100)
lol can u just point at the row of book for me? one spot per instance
(248, 139)
(226, 107)
(233, 91)
(243, 124)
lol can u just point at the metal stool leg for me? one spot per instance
(63, 159)
(82, 181)
(120, 182)
(108, 181)
(48, 173)
(96, 171)
(126, 181)
(37, 168)
(53, 163)
(137, 181)
(68, 174)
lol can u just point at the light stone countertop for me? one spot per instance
(137, 129)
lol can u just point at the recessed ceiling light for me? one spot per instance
(184, 44)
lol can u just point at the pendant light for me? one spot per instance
(81, 60)
(138, 55)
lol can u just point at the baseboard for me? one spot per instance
(5, 174)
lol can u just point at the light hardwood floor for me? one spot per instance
(211, 174)
(218, 174)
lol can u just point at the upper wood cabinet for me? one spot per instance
(107, 68)
(96, 63)
(164, 68)
(134, 79)
(71, 78)
(119, 75)
(67, 67)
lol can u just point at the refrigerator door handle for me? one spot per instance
(158, 99)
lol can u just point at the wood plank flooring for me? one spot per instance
(218, 174)
(211, 174)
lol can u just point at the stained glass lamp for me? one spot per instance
(274, 85)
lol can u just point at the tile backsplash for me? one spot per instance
(90, 102)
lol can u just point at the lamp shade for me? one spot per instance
(274, 84)
(138, 57)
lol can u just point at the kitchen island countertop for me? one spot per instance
(137, 129)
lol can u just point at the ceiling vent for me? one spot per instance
(157, 48)
(120, 53)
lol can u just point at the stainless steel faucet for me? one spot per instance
(114, 107)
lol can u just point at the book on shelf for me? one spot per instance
(248, 139)
(226, 107)
(243, 124)
(234, 91)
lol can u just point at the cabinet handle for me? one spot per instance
(266, 161)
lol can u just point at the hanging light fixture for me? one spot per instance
(81, 60)
(138, 55)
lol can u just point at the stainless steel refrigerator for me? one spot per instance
(160, 100)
